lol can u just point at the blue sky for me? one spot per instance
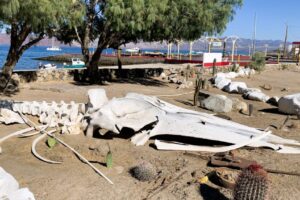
(271, 17)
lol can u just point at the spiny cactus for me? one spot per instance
(145, 171)
(252, 184)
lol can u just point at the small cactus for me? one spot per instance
(145, 171)
(252, 184)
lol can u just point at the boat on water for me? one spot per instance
(75, 63)
(133, 50)
(53, 48)
(47, 66)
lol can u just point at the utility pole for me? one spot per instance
(285, 40)
(266, 49)
(254, 36)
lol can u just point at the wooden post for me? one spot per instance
(197, 90)
(214, 68)
(250, 108)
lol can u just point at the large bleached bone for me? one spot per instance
(173, 146)
(97, 98)
(137, 111)
(67, 116)
(9, 117)
(36, 154)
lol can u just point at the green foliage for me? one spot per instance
(51, 142)
(118, 22)
(39, 15)
(284, 66)
(109, 159)
(234, 68)
(33, 20)
(258, 62)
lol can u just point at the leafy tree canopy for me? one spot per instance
(33, 20)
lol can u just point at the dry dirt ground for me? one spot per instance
(75, 180)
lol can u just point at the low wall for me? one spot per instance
(108, 74)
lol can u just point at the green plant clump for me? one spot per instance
(258, 62)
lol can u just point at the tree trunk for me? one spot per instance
(119, 63)
(10, 63)
(93, 71)
(18, 36)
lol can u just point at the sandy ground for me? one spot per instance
(75, 180)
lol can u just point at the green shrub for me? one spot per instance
(258, 62)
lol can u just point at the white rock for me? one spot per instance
(221, 82)
(246, 90)
(217, 103)
(235, 87)
(163, 75)
(256, 96)
(231, 75)
(289, 104)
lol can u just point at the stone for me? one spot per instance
(217, 103)
(256, 96)
(238, 105)
(221, 82)
(235, 87)
(289, 104)
(163, 76)
(15, 79)
(273, 101)
(246, 90)
(185, 84)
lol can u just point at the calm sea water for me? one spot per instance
(28, 62)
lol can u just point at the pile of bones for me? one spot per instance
(147, 116)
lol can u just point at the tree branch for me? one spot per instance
(78, 37)
(30, 43)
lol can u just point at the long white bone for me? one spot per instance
(35, 153)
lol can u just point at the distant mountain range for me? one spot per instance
(242, 44)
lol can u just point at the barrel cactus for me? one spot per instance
(145, 171)
(252, 184)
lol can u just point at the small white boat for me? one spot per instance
(75, 63)
(133, 50)
(53, 48)
(47, 66)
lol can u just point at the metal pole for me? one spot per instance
(266, 51)
(249, 50)
(285, 39)
(254, 36)
(232, 52)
